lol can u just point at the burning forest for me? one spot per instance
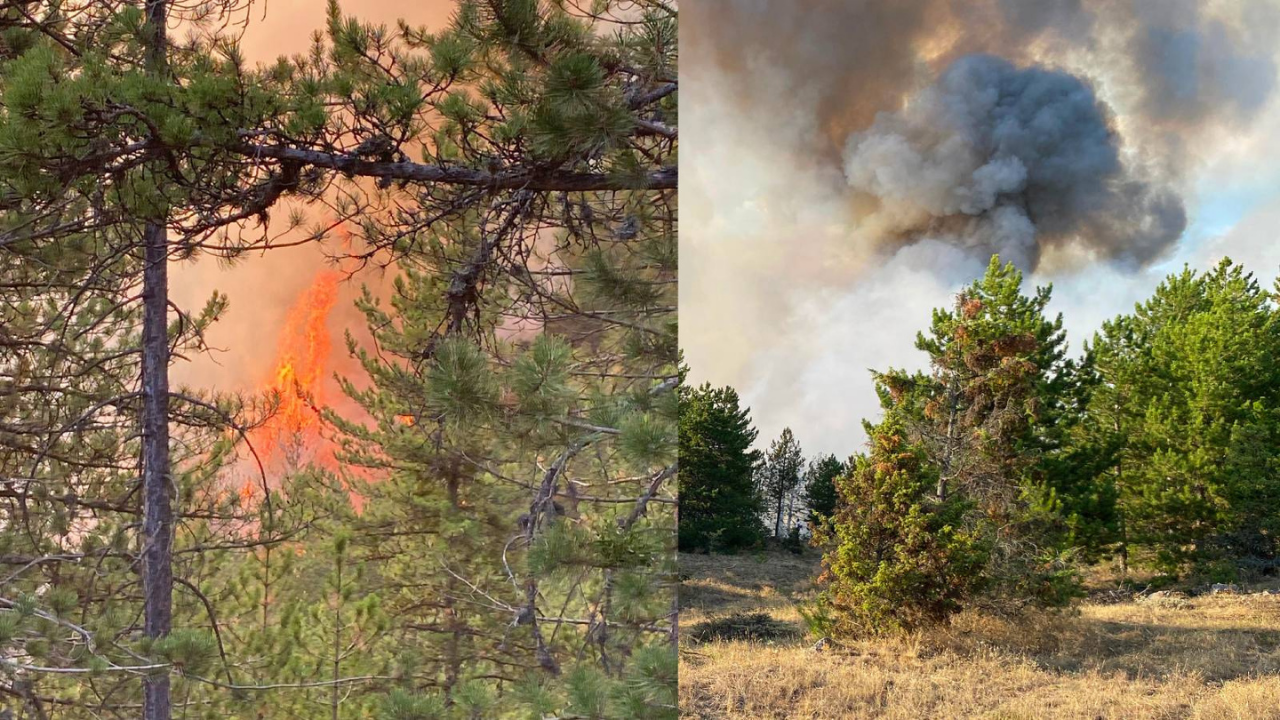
(298, 386)
(268, 446)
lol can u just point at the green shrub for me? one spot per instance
(898, 559)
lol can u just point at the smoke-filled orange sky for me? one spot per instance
(262, 287)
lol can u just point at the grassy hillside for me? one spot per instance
(745, 654)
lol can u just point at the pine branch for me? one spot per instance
(533, 180)
(643, 503)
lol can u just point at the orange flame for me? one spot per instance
(297, 382)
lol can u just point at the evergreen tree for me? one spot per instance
(899, 557)
(275, 606)
(720, 505)
(1076, 496)
(820, 488)
(779, 477)
(523, 393)
(70, 494)
(524, 500)
(1162, 438)
(124, 151)
(979, 427)
(1190, 391)
(984, 417)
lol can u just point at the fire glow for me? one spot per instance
(292, 434)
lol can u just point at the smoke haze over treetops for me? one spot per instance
(850, 165)
(262, 288)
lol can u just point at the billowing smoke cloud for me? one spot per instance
(1001, 160)
(848, 162)
(1196, 67)
(1170, 62)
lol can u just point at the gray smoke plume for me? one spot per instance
(1004, 160)
(1174, 64)
(848, 163)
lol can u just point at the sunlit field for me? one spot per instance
(745, 653)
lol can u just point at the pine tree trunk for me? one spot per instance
(337, 646)
(157, 528)
(777, 522)
(791, 503)
(157, 523)
(453, 624)
(266, 589)
(948, 451)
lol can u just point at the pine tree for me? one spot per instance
(142, 151)
(472, 423)
(1190, 393)
(1076, 497)
(720, 505)
(898, 557)
(995, 391)
(523, 386)
(69, 432)
(779, 476)
(274, 599)
(979, 426)
(820, 488)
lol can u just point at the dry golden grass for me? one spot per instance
(1218, 659)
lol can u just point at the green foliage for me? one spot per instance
(400, 705)
(794, 542)
(899, 558)
(588, 692)
(459, 384)
(645, 439)
(522, 396)
(995, 476)
(820, 488)
(650, 687)
(720, 506)
(1189, 394)
(948, 510)
(1076, 499)
(540, 378)
(563, 544)
(779, 477)
(9, 626)
(533, 326)
(189, 650)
